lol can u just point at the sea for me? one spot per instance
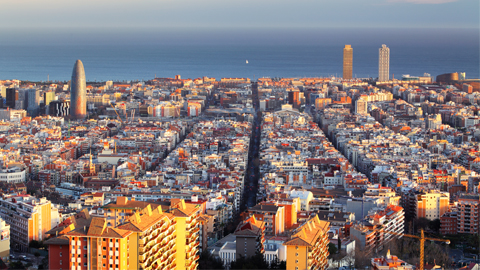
(139, 62)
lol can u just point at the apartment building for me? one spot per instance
(449, 223)
(273, 215)
(369, 237)
(468, 212)
(250, 237)
(392, 218)
(307, 247)
(29, 219)
(432, 205)
(147, 239)
(118, 211)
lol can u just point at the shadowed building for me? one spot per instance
(347, 62)
(78, 92)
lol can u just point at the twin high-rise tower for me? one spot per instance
(383, 63)
(78, 92)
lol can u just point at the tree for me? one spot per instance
(207, 261)
(16, 265)
(257, 261)
(421, 223)
(35, 244)
(434, 225)
(332, 249)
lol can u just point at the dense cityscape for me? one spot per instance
(241, 173)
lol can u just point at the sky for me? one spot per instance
(44, 21)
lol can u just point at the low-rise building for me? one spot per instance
(390, 262)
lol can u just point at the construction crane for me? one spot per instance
(118, 116)
(422, 243)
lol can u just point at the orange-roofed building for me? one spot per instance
(307, 248)
(250, 237)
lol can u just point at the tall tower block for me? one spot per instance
(347, 62)
(383, 63)
(78, 92)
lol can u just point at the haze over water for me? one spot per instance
(140, 55)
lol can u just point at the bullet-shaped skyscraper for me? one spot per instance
(78, 92)
(383, 63)
(347, 62)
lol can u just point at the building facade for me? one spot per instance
(347, 62)
(383, 63)
(78, 92)
(30, 218)
(468, 214)
(307, 248)
(432, 205)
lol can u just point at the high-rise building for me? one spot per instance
(11, 97)
(307, 247)
(78, 92)
(33, 102)
(30, 218)
(294, 98)
(383, 63)
(347, 62)
(131, 235)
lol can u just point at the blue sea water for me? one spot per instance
(143, 62)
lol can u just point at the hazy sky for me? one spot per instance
(21, 19)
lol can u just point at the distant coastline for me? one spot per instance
(144, 62)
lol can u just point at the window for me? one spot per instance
(103, 265)
(111, 240)
(296, 247)
(104, 256)
(296, 254)
(104, 248)
(116, 241)
(84, 255)
(85, 247)
(60, 262)
(296, 261)
(60, 254)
